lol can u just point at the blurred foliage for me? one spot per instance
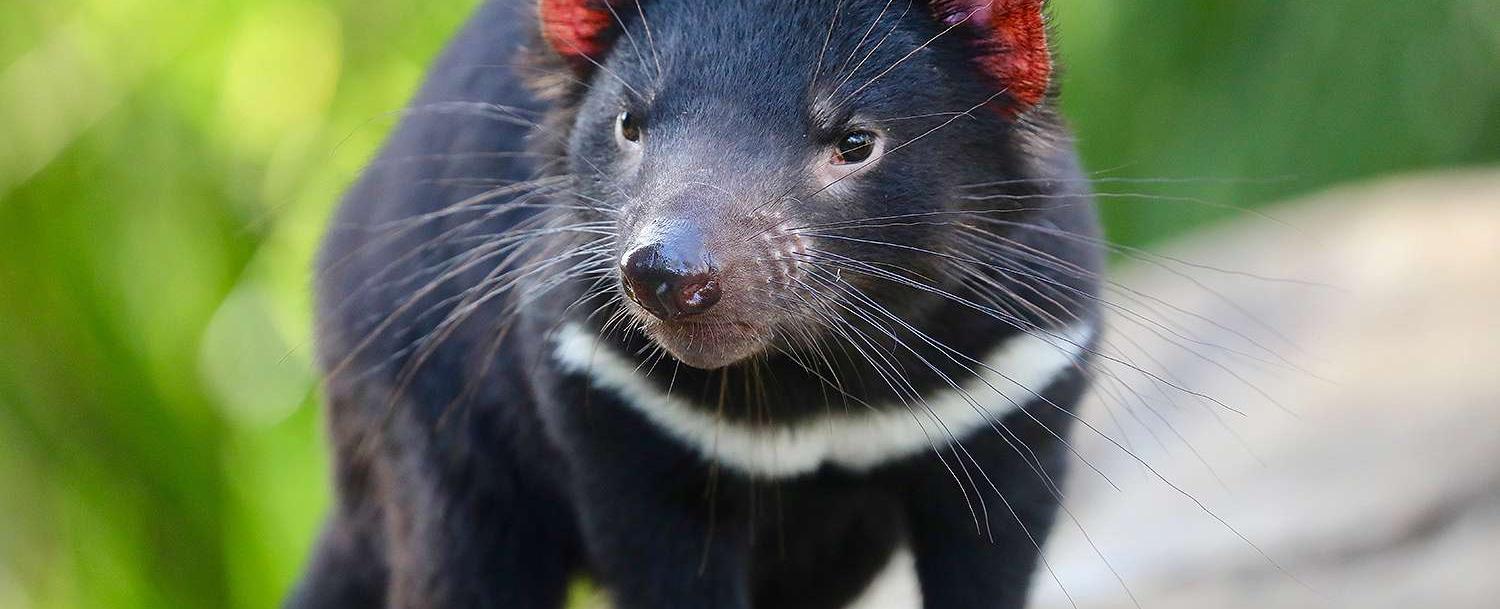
(166, 168)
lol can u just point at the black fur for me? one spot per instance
(473, 472)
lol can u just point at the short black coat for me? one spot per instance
(472, 471)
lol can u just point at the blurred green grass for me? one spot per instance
(166, 169)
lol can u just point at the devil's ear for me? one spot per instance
(578, 30)
(1012, 46)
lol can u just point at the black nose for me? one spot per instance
(670, 282)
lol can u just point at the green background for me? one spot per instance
(166, 168)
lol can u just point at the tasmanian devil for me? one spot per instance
(721, 304)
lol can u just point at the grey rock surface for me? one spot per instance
(1348, 454)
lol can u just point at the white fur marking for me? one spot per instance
(1016, 371)
(896, 587)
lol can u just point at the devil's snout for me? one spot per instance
(673, 278)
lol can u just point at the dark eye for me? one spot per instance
(628, 128)
(854, 147)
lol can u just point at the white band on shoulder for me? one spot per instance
(1017, 371)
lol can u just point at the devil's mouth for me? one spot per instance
(717, 326)
(710, 344)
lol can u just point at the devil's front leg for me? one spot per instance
(469, 524)
(663, 528)
(978, 521)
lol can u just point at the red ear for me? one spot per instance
(1014, 51)
(577, 29)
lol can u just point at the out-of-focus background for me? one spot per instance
(166, 169)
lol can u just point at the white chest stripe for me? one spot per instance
(859, 440)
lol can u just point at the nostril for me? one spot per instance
(637, 269)
(669, 286)
(700, 293)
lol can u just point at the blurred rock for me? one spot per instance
(1349, 452)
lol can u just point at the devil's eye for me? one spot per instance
(855, 147)
(628, 128)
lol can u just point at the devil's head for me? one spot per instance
(773, 169)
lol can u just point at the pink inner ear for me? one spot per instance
(1015, 53)
(576, 29)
